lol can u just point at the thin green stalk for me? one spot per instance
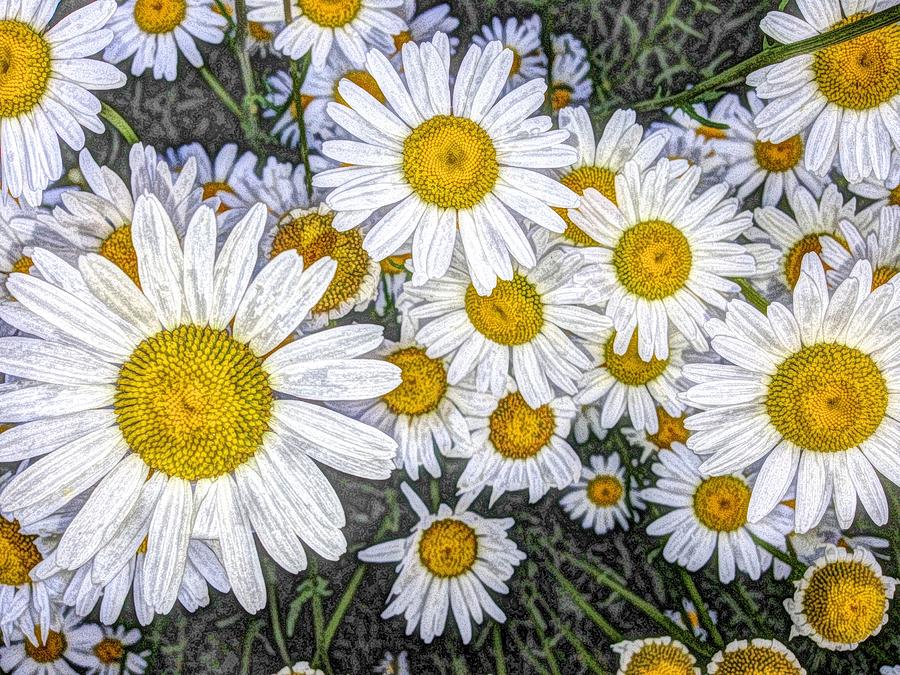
(121, 125)
(752, 296)
(542, 636)
(252, 631)
(499, 658)
(702, 611)
(583, 652)
(435, 491)
(752, 609)
(525, 652)
(798, 568)
(275, 614)
(243, 58)
(336, 618)
(298, 76)
(608, 629)
(219, 90)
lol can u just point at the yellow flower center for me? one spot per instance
(305, 100)
(363, 79)
(193, 402)
(24, 68)
(424, 382)
(629, 368)
(720, 503)
(671, 430)
(215, 188)
(894, 196)
(560, 97)
(22, 265)
(401, 39)
(712, 133)
(119, 248)
(18, 554)
(827, 397)
(578, 180)
(861, 73)
(313, 237)
(259, 32)
(882, 275)
(661, 659)
(450, 162)
(519, 431)
(844, 601)
(46, 652)
(512, 314)
(605, 490)
(753, 660)
(793, 261)
(448, 548)
(779, 157)
(159, 16)
(330, 13)
(109, 651)
(394, 264)
(516, 62)
(652, 259)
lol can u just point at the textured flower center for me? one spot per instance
(779, 157)
(712, 133)
(605, 491)
(330, 13)
(46, 652)
(753, 660)
(519, 431)
(660, 659)
(159, 16)
(18, 554)
(22, 265)
(882, 275)
(894, 196)
(193, 402)
(394, 264)
(24, 68)
(119, 248)
(259, 32)
(516, 62)
(213, 189)
(313, 237)
(362, 79)
(450, 162)
(793, 261)
(448, 548)
(512, 314)
(721, 503)
(629, 368)
(109, 651)
(561, 96)
(652, 259)
(844, 601)
(861, 73)
(578, 180)
(401, 39)
(424, 382)
(827, 397)
(671, 430)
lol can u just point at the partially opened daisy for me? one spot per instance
(523, 37)
(116, 654)
(46, 89)
(697, 142)
(881, 247)
(755, 657)
(670, 429)
(447, 564)
(569, 69)
(655, 655)
(601, 499)
(846, 94)
(812, 391)
(69, 644)
(447, 160)
(842, 600)
(689, 619)
(185, 388)
(422, 26)
(882, 191)
(224, 175)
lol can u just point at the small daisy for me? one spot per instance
(587, 422)
(689, 619)
(393, 664)
(847, 94)
(889, 670)
(69, 644)
(21, 229)
(114, 656)
(810, 546)
(156, 31)
(523, 38)
(569, 81)
(709, 515)
(756, 657)
(447, 564)
(422, 27)
(670, 429)
(393, 278)
(842, 600)
(882, 192)
(224, 176)
(881, 247)
(600, 499)
(447, 163)
(300, 668)
(813, 392)
(698, 143)
(282, 189)
(260, 36)
(655, 655)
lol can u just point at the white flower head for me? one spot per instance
(653, 653)
(755, 656)
(602, 499)
(68, 644)
(880, 247)
(569, 69)
(523, 37)
(115, 654)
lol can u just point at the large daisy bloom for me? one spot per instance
(127, 399)
(755, 657)
(446, 161)
(656, 654)
(881, 247)
(813, 391)
(709, 515)
(69, 644)
(524, 39)
(842, 599)
(601, 498)
(448, 564)
(156, 31)
(47, 83)
(662, 255)
(115, 653)
(847, 94)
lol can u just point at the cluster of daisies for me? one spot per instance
(186, 346)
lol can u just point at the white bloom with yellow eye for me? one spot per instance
(225, 176)
(696, 142)
(670, 429)
(569, 69)
(69, 644)
(883, 192)
(881, 247)
(656, 654)
(300, 668)
(523, 38)
(422, 27)
(756, 656)
(115, 654)
(601, 499)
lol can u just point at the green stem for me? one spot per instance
(219, 90)
(275, 614)
(525, 652)
(608, 629)
(434, 487)
(121, 125)
(336, 618)
(751, 295)
(739, 72)
(298, 76)
(252, 631)
(243, 58)
(583, 652)
(499, 658)
(703, 612)
(542, 636)
(798, 568)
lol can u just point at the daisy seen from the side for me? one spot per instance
(569, 69)
(224, 175)
(881, 247)
(670, 429)
(424, 25)
(601, 500)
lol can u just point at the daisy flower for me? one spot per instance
(300, 668)
(114, 655)
(446, 565)
(523, 38)
(842, 600)
(282, 189)
(689, 619)
(881, 248)
(224, 176)
(756, 656)
(156, 31)
(812, 392)
(526, 325)
(393, 664)
(69, 644)
(422, 27)
(670, 429)
(810, 546)
(662, 255)
(393, 279)
(587, 422)
(131, 402)
(569, 68)
(600, 498)
(447, 162)
(21, 229)
(709, 514)
(889, 670)
(698, 143)
(847, 94)
(47, 83)
(656, 654)
(882, 192)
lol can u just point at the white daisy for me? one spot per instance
(710, 515)
(523, 38)
(890, 670)
(130, 402)
(282, 189)
(601, 498)
(393, 664)
(422, 27)
(114, 653)
(670, 429)
(648, 655)
(756, 656)
(696, 142)
(447, 162)
(447, 564)
(847, 94)
(882, 192)
(811, 391)
(881, 248)
(156, 31)
(260, 36)
(569, 68)
(587, 422)
(810, 546)
(21, 229)
(69, 644)
(689, 619)
(300, 668)
(225, 176)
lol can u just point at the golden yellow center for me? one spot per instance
(394, 264)
(22, 265)
(793, 261)
(119, 248)
(712, 133)
(159, 16)
(330, 13)
(24, 68)
(720, 503)
(305, 100)
(424, 382)
(213, 189)
(560, 97)
(516, 62)
(894, 196)
(605, 490)
(18, 554)
(861, 73)
(313, 237)
(827, 397)
(512, 314)
(450, 162)
(752, 660)
(519, 431)
(882, 275)
(659, 659)
(401, 39)
(779, 157)
(844, 601)
(259, 32)
(629, 368)
(448, 548)
(193, 402)
(652, 259)
(109, 651)
(671, 430)
(46, 651)
(578, 180)
(362, 79)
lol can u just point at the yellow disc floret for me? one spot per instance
(47, 651)
(18, 554)
(721, 502)
(424, 382)
(159, 16)
(578, 180)
(119, 248)
(605, 490)
(629, 368)
(512, 314)
(845, 601)
(330, 13)
(213, 189)
(448, 548)
(362, 79)
(519, 431)
(652, 259)
(757, 660)
(894, 196)
(656, 658)
(671, 430)
(882, 275)
(193, 402)
(560, 96)
(23, 265)
(24, 68)
(779, 157)
(109, 651)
